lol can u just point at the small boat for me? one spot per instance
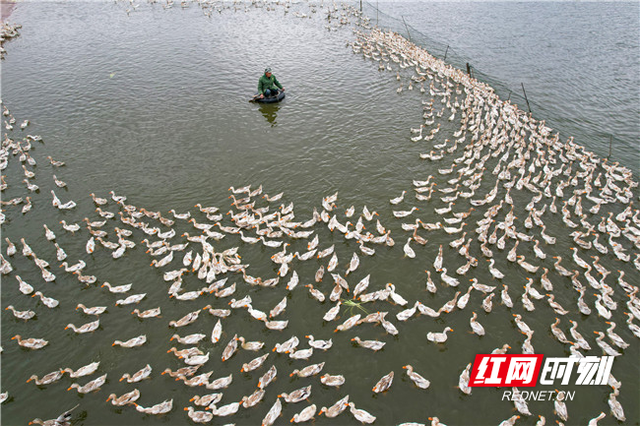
(268, 100)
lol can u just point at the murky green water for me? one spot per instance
(153, 105)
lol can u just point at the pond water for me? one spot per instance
(152, 103)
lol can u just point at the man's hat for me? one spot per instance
(267, 70)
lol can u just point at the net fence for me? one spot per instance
(445, 52)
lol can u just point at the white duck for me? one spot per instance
(305, 415)
(85, 328)
(142, 374)
(577, 337)
(399, 199)
(602, 310)
(92, 386)
(134, 298)
(437, 263)
(384, 383)
(198, 416)
(161, 408)
(49, 302)
(615, 338)
(476, 326)
(447, 279)
(416, 378)
(527, 266)
(494, 272)
(606, 348)
(131, 343)
(408, 251)
(616, 407)
(438, 337)
(560, 406)
(504, 296)
(118, 289)
(557, 333)
(126, 399)
(361, 415)
(82, 371)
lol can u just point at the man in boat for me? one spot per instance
(268, 85)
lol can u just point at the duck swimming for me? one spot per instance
(361, 415)
(416, 378)
(305, 415)
(374, 345)
(296, 395)
(23, 315)
(131, 343)
(319, 344)
(47, 379)
(384, 383)
(494, 272)
(138, 376)
(186, 320)
(92, 386)
(253, 399)
(254, 364)
(82, 371)
(606, 348)
(30, 343)
(126, 399)
(149, 313)
(439, 337)
(310, 370)
(273, 413)
(85, 328)
(349, 323)
(135, 298)
(158, 409)
(476, 326)
(198, 416)
(336, 409)
(97, 310)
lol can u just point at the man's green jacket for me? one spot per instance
(268, 83)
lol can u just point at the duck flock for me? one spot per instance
(7, 32)
(486, 195)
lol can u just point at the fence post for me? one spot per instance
(525, 96)
(610, 143)
(405, 25)
(468, 69)
(445, 54)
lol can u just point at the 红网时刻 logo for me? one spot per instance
(513, 370)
